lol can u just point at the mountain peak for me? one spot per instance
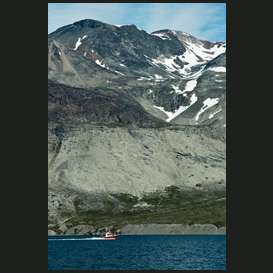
(89, 23)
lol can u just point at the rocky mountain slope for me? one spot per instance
(91, 165)
(68, 104)
(131, 115)
(174, 75)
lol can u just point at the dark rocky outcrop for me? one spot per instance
(68, 104)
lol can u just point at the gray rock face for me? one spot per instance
(157, 229)
(135, 160)
(51, 232)
(218, 61)
(79, 230)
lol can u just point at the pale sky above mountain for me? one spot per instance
(205, 21)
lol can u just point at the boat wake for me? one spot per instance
(80, 239)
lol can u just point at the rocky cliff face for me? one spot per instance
(130, 115)
(134, 160)
(150, 229)
(172, 229)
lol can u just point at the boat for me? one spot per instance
(109, 235)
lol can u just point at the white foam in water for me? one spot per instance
(80, 239)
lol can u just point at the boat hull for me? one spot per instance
(95, 238)
(110, 237)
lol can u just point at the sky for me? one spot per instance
(205, 21)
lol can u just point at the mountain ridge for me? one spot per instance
(125, 58)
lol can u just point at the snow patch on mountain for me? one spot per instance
(190, 85)
(196, 52)
(100, 63)
(78, 43)
(159, 78)
(177, 90)
(162, 36)
(123, 25)
(119, 72)
(143, 78)
(185, 33)
(172, 115)
(193, 56)
(207, 104)
(218, 69)
(212, 115)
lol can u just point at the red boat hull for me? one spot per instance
(110, 237)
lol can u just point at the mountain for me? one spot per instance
(132, 52)
(175, 76)
(136, 121)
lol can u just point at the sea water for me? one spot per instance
(138, 252)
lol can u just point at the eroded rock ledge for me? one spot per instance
(149, 229)
(153, 229)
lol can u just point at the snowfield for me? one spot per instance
(189, 59)
(205, 54)
(195, 55)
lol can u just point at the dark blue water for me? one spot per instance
(149, 252)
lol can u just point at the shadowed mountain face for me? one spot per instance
(68, 104)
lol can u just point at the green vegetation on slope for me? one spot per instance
(174, 206)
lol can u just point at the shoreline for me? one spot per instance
(163, 229)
